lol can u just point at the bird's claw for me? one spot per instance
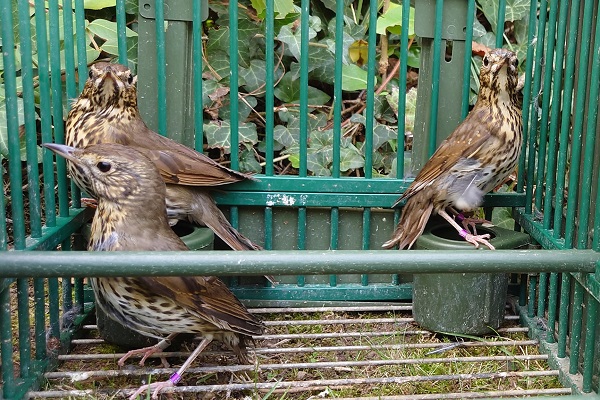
(156, 387)
(147, 352)
(476, 239)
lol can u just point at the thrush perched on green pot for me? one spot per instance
(131, 216)
(106, 111)
(481, 152)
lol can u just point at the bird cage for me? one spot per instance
(328, 170)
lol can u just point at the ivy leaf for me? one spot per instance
(4, 130)
(248, 162)
(107, 30)
(292, 37)
(255, 75)
(288, 91)
(244, 108)
(354, 78)
(515, 10)
(218, 134)
(381, 135)
(318, 163)
(351, 158)
(98, 4)
(281, 8)
(391, 20)
(286, 136)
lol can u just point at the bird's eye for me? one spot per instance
(103, 166)
(486, 61)
(130, 79)
(91, 74)
(516, 62)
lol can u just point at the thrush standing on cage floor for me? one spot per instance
(106, 112)
(131, 216)
(481, 152)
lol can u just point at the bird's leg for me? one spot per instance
(156, 387)
(473, 239)
(467, 221)
(148, 351)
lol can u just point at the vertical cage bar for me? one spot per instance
(337, 89)
(542, 292)
(269, 86)
(80, 36)
(12, 125)
(563, 315)
(33, 176)
(233, 84)
(45, 111)
(24, 326)
(39, 318)
(268, 228)
(301, 238)
(366, 239)
(304, 10)
(500, 23)
(532, 135)
(467, 66)
(57, 105)
(552, 302)
(531, 298)
(403, 56)
(122, 33)
(548, 68)
(369, 114)
(435, 76)
(590, 343)
(527, 92)
(6, 347)
(333, 244)
(590, 141)
(555, 114)
(197, 62)
(53, 307)
(576, 136)
(575, 333)
(161, 72)
(566, 122)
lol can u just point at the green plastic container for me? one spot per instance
(471, 304)
(195, 238)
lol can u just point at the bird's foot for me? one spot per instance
(476, 239)
(155, 387)
(470, 222)
(147, 352)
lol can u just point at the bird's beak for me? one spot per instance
(62, 150)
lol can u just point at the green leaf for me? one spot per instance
(286, 136)
(4, 130)
(515, 10)
(288, 91)
(281, 8)
(244, 108)
(318, 163)
(218, 134)
(391, 20)
(354, 78)
(98, 4)
(350, 158)
(107, 30)
(291, 36)
(381, 135)
(248, 162)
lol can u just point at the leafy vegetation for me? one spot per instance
(101, 42)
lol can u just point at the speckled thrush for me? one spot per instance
(131, 216)
(106, 112)
(481, 152)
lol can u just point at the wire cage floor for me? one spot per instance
(368, 351)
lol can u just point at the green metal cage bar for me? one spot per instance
(575, 298)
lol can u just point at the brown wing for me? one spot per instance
(470, 139)
(209, 299)
(182, 165)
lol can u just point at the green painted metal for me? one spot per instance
(542, 295)
(565, 121)
(531, 27)
(554, 117)
(370, 94)
(81, 44)
(577, 133)
(466, 91)
(403, 56)
(531, 296)
(234, 84)
(197, 68)
(533, 126)
(552, 302)
(575, 332)
(500, 22)
(6, 347)
(269, 87)
(295, 262)
(304, 9)
(121, 35)
(24, 327)
(563, 315)
(39, 299)
(590, 342)
(160, 66)
(435, 77)
(548, 68)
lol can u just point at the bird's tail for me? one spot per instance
(206, 212)
(415, 214)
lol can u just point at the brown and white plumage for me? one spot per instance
(481, 152)
(106, 112)
(131, 216)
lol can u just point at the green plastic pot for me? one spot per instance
(462, 303)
